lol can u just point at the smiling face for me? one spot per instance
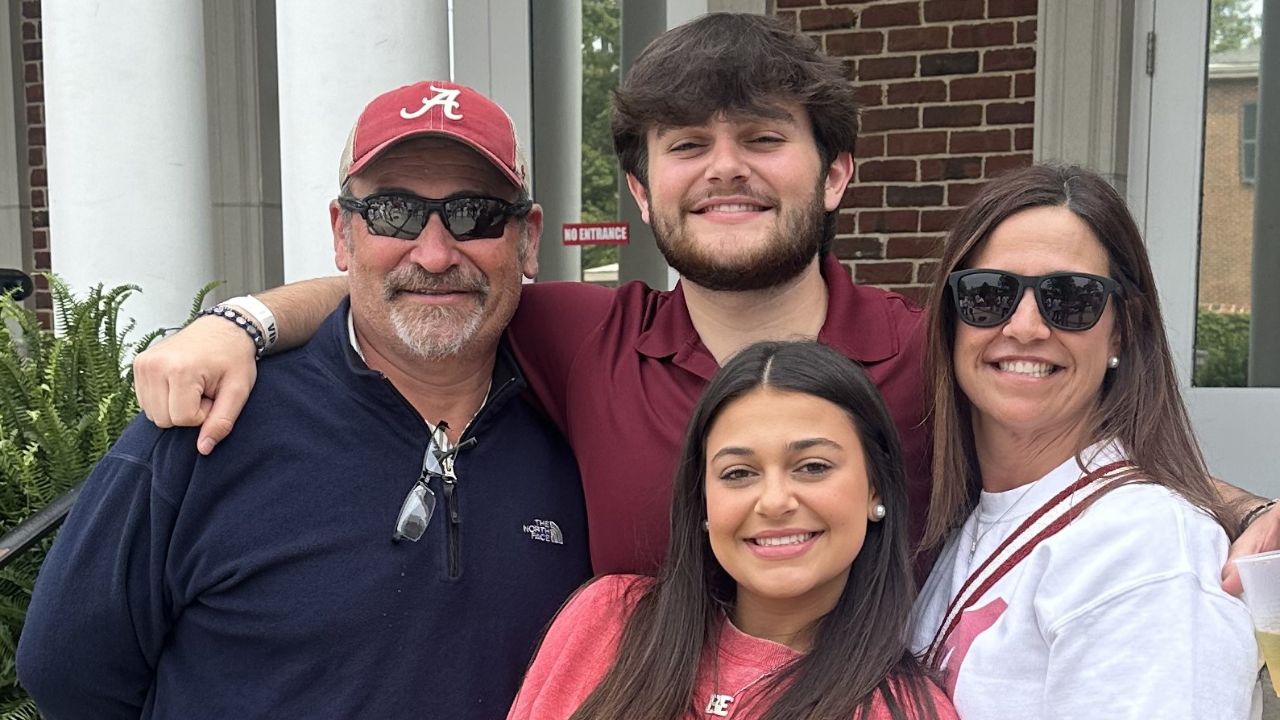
(738, 203)
(788, 500)
(1025, 377)
(433, 297)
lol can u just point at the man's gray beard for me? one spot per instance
(435, 333)
(786, 254)
(432, 332)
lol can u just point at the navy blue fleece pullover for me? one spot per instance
(262, 581)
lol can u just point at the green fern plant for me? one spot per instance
(64, 399)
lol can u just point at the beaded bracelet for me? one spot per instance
(1255, 513)
(239, 318)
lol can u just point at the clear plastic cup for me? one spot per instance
(1260, 575)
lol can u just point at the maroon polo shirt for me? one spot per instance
(620, 370)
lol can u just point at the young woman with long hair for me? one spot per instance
(787, 586)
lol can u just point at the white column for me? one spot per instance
(10, 168)
(128, 150)
(333, 59)
(557, 126)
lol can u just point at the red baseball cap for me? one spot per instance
(435, 107)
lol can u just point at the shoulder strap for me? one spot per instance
(1045, 522)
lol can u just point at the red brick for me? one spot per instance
(39, 219)
(39, 178)
(896, 118)
(826, 19)
(918, 294)
(926, 272)
(44, 301)
(982, 35)
(913, 196)
(859, 195)
(35, 114)
(886, 67)
(31, 72)
(952, 115)
(41, 282)
(880, 170)
(35, 156)
(937, 220)
(44, 316)
(31, 9)
(1011, 8)
(980, 141)
(870, 146)
(846, 223)
(35, 93)
(890, 14)
(916, 143)
(29, 31)
(888, 221)
(1023, 138)
(1019, 113)
(857, 247)
(35, 135)
(1027, 31)
(1024, 84)
(1015, 59)
(960, 194)
(796, 3)
(943, 10)
(31, 50)
(980, 88)
(39, 239)
(913, 247)
(997, 165)
(869, 94)
(924, 38)
(957, 168)
(911, 93)
(37, 199)
(963, 63)
(882, 272)
(855, 43)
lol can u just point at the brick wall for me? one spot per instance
(33, 117)
(1226, 213)
(947, 89)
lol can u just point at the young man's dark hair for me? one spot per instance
(736, 64)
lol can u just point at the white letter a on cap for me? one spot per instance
(446, 98)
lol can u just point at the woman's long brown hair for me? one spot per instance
(858, 650)
(1139, 403)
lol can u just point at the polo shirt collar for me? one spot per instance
(858, 324)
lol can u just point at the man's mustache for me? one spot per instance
(414, 279)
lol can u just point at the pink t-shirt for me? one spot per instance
(583, 643)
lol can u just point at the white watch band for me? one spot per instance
(261, 314)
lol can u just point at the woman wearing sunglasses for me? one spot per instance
(787, 586)
(1083, 537)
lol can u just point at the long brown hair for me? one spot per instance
(858, 647)
(1139, 403)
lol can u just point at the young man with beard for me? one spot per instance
(736, 135)
(391, 526)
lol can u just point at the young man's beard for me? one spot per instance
(792, 245)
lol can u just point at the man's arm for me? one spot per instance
(203, 375)
(1262, 534)
(99, 615)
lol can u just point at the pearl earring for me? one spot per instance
(706, 526)
(878, 512)
(1114, 362)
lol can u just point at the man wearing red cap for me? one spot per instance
(392, 525)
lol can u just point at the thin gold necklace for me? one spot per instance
(973, 547)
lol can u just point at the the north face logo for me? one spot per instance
(444, 97)
(544, 531)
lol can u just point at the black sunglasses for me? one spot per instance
(1067, 300)
(403, 216)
